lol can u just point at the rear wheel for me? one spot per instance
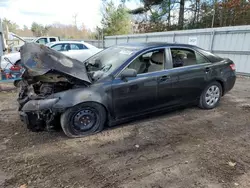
(83, 119)
(211, 95)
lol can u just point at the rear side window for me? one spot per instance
(186, 57)
(60, 47)
(76, 46)
(210, 56)
(52, 39)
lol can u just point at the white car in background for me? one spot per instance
(77, 50)
(74, 49)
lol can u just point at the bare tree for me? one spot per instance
(75, 19)
(181, 14)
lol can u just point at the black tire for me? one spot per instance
(71, 119)
(17, 83)
(203, 103)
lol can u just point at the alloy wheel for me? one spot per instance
(212, 95)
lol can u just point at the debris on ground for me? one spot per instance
(232, 164)
(23, 186)
(246, 107)
(7, 87)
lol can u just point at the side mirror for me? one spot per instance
(128, 73)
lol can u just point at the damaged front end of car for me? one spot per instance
(47, 74)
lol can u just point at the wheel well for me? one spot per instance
(222, 85)
(16, 83)
(18, 61)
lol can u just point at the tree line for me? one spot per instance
(55, 29)
(149, 16)
(166, 15)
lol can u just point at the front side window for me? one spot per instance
(152, 61)
(186, 57)
(42, 41)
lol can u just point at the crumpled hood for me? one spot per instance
(39, 59)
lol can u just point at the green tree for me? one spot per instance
(116, 19)
(39, 30)
(155, 15)
(165, 15)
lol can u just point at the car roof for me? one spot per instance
(151, 45)
(155, 44)
(45, 37)
(70, 41)
(67, 41)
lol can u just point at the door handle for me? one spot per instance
(207, 69)
(164, 78)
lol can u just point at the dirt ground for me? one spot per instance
(186, 148)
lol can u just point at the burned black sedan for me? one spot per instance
(118, 83)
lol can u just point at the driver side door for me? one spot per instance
(137, 95)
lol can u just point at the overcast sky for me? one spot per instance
(24, 12)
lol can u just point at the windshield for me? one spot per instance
(108, 60)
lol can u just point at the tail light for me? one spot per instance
(232, 66)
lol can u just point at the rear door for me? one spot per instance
(189, 73)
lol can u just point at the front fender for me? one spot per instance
(73, 97)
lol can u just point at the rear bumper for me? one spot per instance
(229, 84)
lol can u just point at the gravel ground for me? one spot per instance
(185, 148)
